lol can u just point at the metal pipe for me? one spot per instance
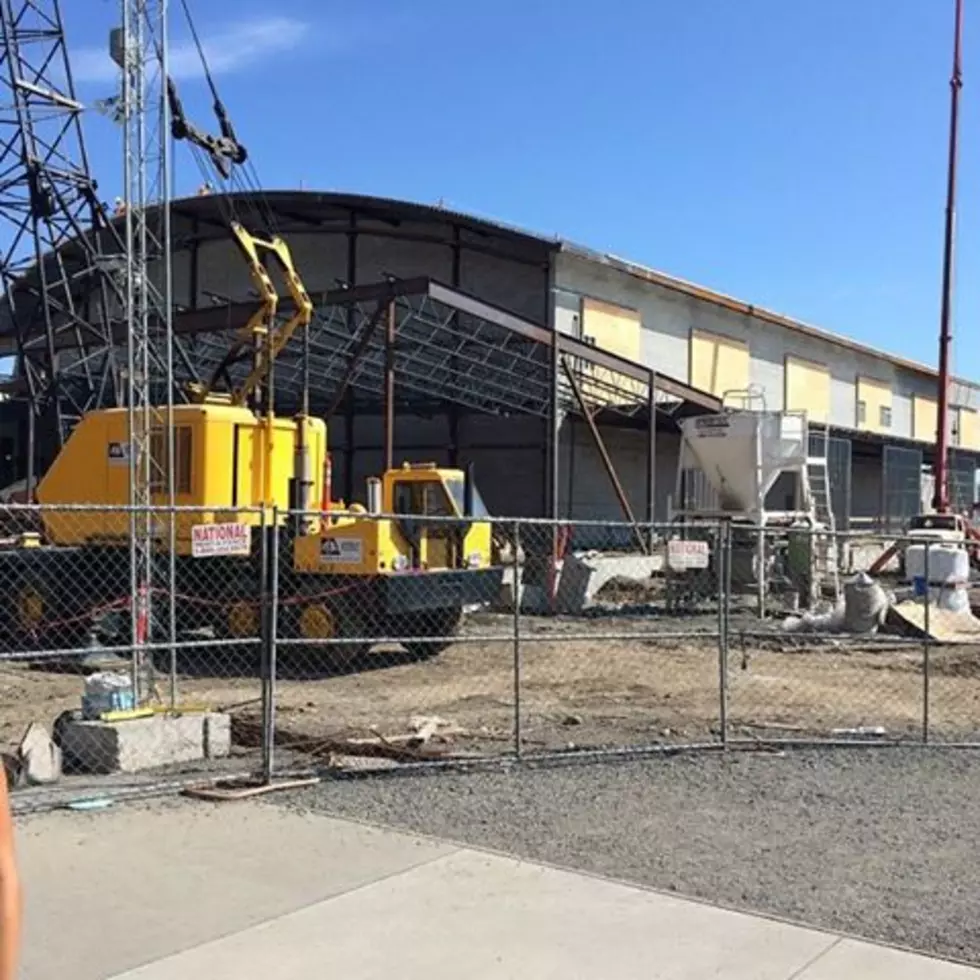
(926, 658)
(374, 500)
(31, 450)
(651, 474)
(517, 641)
(389, 392)
(940, 499)
(270, 561)
(723, 565)
(604, 456)
(168, 328)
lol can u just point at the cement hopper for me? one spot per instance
(743, 453)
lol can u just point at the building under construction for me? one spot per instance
(442, 336)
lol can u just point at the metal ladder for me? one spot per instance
(826, 560)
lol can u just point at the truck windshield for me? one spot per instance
(457, 490)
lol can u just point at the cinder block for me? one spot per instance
(146, 743)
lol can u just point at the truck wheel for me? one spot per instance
(41, 623)
(441, 623)
(320, 619)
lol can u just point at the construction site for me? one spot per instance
(301, 481)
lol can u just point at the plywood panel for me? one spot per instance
(923, 418)
(808, 388)
(719, 364)
(969, 428)
(874, 405)
(616, 329)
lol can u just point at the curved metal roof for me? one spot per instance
(204, 217)
(302, 210)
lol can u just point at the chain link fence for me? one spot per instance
(267, 643)
(118, 674)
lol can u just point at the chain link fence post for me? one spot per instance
(723, 569)
(172, 604)
(926, 671)
(517, 640)
(269, 577)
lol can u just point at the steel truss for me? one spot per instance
(61, 267)
(446, 347)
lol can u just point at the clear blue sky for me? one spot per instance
(792, 154)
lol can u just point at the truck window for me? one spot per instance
(422, 498)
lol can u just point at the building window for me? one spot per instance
(862, 411)
(885, 416)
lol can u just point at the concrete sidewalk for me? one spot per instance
(191, 891)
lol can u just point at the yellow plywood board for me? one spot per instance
(618, 330)
(923, 418)
(969, 428)
(876, 396)
(808, 389)
(718, 364)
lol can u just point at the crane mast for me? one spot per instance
(139, 48)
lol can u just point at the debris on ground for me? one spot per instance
(429, 738)
(865, 604)
(862, 611)
(944, 625)
(37, 761)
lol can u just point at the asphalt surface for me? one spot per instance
(881, 843)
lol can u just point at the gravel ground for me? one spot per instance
(879, 843)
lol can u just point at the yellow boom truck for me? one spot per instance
(341, 573)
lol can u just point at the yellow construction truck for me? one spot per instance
(343, 571)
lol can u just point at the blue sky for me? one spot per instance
(791, 154)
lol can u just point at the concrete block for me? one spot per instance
(583, 575)
(862, 555)
(40, 757)
(217, 736)
(146, 743)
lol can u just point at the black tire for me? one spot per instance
(443, 623)
(317, 617)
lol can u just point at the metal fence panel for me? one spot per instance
(94, 696)
(815, 667)
(304, 643)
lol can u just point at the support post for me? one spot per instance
(31, 450)
(452, 408)
(351, 279)
(723, 568)
(269, 578)
(517, 640)
(652, 457)
(604, 456)
(389, 393)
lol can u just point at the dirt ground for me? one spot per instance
(589, 682)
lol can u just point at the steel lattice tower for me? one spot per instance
(61, 258)
(139, 47)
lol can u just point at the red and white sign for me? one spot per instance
(682, 555)
(209, 540)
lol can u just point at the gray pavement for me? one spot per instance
(196, 891)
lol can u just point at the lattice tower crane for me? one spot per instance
(61, 257)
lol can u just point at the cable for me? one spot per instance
(200, 52)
